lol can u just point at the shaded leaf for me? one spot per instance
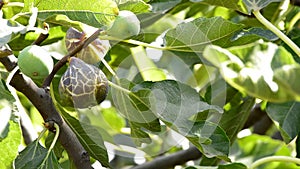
(31, 157)
(288, 117)
(253, 34)
(163, 5)
(58, 148)
(51, 162)
(236, 114)
(257, 69)
(257, 5)
(175, 104)
(89, 137)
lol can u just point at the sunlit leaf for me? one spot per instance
(10, 144)
(193, 37)
(232, 4)
(147, 68)
(133, 108)
(137, 6)
(254, 147)
(95, 13)
(262, 70)
(8, 28)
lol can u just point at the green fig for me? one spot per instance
(35, 62)
(125, 25)
(82, 85)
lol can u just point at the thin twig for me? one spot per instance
(43, 36)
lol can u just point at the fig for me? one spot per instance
(91, 54)
(82, 85)
(125, 25)
(35, 62)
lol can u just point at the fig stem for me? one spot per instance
(43, 36)
(65, 59)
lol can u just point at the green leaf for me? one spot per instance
(51, 162)
(133, 108)
(147, 68)
(6, 109)
(236, 114)
(288, 117)
(31, 157)
(10, 144)
(137, 6)
(8, 28)
(176, 104)
(262, 70)
(253, 34)
(58, 148)
(256, 5)
(233, 166)
(89, 137)
(95, 13)
(231, 4)
(163, 5)
(193, 37)
(251, 148)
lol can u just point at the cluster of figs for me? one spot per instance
(83, 84)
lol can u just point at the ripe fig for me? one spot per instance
(35, 62)
(82, 85)
(125, 25)
(91, 54)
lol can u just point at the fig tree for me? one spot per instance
(125, 25)
(35, 62)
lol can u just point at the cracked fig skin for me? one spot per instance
(82, 85)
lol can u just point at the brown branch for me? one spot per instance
(295, 2)
(9, 62)
(42, 100)
(172, 160)
(64, 60)
(1, 4)
(43, 36)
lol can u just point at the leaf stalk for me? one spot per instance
(275, 30)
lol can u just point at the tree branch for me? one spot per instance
(172, 160)
(42, 100)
